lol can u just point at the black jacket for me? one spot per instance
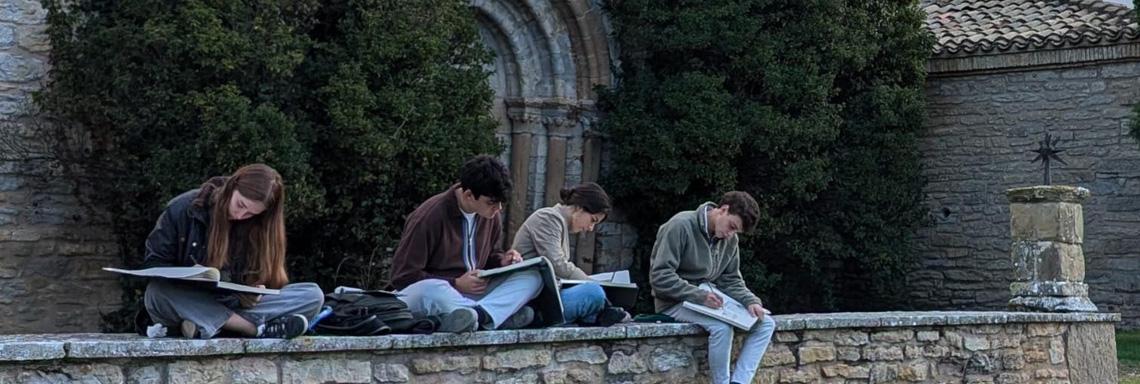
(179, 236)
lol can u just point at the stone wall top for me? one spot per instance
(113, 346)
(1048, 194)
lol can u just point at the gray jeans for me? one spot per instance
(169, 304)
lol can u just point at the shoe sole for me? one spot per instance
(304, 327)
(457, 321)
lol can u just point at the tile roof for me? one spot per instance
(968, 27)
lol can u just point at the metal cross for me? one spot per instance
(1046, 152)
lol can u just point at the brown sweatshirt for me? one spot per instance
(431, 246)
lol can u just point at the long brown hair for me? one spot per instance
(266, 242)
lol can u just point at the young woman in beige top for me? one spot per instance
(546, 233)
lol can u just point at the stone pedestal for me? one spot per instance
(1047, 227)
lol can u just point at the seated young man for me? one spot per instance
(447, 240)
(696, 247)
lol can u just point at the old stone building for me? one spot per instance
(1003, 74)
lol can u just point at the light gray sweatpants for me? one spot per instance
(168, 304)
(503, 297)
(720, 344)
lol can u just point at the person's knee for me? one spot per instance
(719, 331)
(310, 294)
(595, 295)
(434, 290)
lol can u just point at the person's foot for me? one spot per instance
(458, 321)
(286, 327)
(189, 329)
(612, 315)
(522, 318)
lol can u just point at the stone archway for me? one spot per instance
(549, 55)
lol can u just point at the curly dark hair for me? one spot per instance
(485, 175)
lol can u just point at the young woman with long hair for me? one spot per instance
(236, 224)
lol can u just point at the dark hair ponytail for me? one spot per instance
(589, 196)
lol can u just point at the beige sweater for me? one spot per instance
(546, 233)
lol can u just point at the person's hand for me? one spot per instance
(757, 310)
(510, 257)
(471, 283)
(249, 300)
(712, 300)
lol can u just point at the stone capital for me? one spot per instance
(1048, 194)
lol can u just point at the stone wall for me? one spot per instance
(51, 249)
(979, 131)
(932, 347)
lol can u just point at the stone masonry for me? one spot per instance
(979, 131)
(51, 248)
(896, 347)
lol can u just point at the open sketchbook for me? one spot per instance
(617, 285)
(195, 273)
(732, 312)
(548, 302)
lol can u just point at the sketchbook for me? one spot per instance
(196, 273)
(732, 312)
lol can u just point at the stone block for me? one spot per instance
(555, 334)
(813, 352)
(975, 342)
(1047, 261)
(927, 336)
(150, 374)
(197, 371)
(621, 363)
(252, 371)
(892, 336)
(590, 354)
(318, 344)
(808, 374)
(1045, 329)
(848, 353)
(667, 358)
(121, 345)
(27, 348)
(1048, 288)
(572, 376)
(846, 371)
(326, 370)
(1091, 354)
(528, 378)
(7, 36)
(883, 352)
(78, 373)
(516, 359)
(777, 354)
(1048, 194)
(33, 38)
(433, 363)
(18, 69)
(390, 373)
(787, 337)
(1061, 222)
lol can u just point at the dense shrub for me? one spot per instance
(366, 108)
(812, 106)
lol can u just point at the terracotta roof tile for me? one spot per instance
(964, 27)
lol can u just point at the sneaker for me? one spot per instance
(520, 319)
(458, 321)
(189, 329)
(612, 315)
(286, 327)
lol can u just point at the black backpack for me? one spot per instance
(369, 313)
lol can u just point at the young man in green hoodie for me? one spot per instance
(701, 246)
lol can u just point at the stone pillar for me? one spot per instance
(558, 131)
(591, 166)
(1047, 227)
(523, 127)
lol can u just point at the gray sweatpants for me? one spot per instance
(168, 304)
(503, 297)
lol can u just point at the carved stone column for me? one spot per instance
(591, 167)
(558, 131)
(1047, 226)
(524, 124)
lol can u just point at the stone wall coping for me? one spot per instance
(117, 346)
